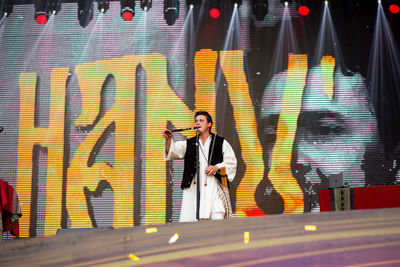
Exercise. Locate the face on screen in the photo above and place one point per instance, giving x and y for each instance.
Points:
(332, 134)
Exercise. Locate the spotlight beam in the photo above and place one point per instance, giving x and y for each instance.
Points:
(146, 4)
(193, 3)
(286, 2)
(103, 5)
(54, 6)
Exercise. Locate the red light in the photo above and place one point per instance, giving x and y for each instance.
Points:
(41, 19)
(394, 9)
(127, 16)
(303, 10)
(214, 13)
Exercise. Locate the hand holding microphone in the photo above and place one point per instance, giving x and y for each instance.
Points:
(184, 129)
(167, 134)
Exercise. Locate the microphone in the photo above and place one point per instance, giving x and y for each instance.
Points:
(183, 129)
(1, 129)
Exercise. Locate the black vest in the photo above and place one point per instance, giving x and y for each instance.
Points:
(191, 159)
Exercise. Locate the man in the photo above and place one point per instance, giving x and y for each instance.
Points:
(211, 205)
(334, 137)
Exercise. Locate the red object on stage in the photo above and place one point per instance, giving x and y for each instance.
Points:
(215, 13)
(376, 197)
(127, 16)
(303, 10)
(10, 209)
(41, 19)
(373, 197)
(394, 9)
(325, 200)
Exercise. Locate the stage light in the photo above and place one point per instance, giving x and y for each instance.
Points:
(171, 11)
(286, 2)
(193, 3)
(146, 4)
(394, 9)
(303, 7)
(103, 5)
(238, 2)
(6, 8)
(85, 12)
(127, 9)
(41, 18)
(54, 7)
(260, 9)
(41, 11)
(44, 8)
(215, 13)
(303, 10)
(215, 10)
(127, 16)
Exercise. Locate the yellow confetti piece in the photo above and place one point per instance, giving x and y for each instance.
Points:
(133, 257)
(173, 238)
(246, 236)
(151, 230)
(310, 227)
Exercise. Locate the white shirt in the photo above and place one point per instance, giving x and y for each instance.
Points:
(210, 202)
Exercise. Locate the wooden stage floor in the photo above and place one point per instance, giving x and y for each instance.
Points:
(347, 238)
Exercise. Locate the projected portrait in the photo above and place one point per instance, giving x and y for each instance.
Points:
(335, 130)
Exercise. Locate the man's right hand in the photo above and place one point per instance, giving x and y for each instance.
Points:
(167, 134)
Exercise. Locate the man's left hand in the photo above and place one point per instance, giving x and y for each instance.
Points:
(211, 170)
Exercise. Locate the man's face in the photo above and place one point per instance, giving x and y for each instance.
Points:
(331, 135)
(202, 124)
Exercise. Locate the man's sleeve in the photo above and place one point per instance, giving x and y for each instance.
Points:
(229, 162)
(177, 150)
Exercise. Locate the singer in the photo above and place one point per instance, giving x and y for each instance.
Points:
(214, 152)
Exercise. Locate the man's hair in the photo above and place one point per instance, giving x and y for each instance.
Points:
(205, 113)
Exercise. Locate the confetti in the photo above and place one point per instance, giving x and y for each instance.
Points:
(151, 230)
(133, 257)
(310, 227)
(173, 238)
(246, 236)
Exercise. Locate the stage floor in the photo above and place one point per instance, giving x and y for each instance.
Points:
(346, 238)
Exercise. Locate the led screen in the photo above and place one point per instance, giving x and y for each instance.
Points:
(83, 109)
